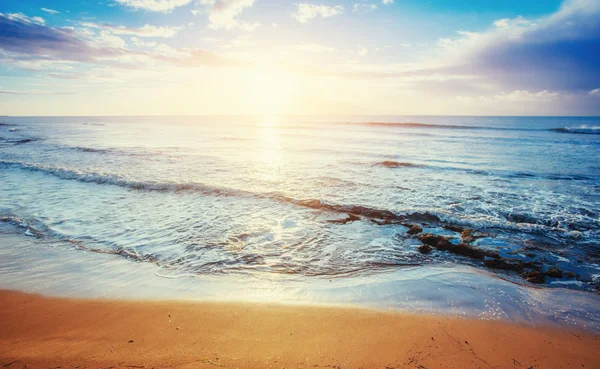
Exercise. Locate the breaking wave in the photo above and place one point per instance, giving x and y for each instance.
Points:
(379, 216)
(585, 130)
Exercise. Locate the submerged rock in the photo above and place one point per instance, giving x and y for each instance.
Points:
(350, 218)
(454, 228)
(503, 264)
(425, 249)
(554, 272)
(414, 229)
(572, 275)
(534, 276)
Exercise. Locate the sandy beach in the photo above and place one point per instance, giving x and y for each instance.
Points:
(41, 332)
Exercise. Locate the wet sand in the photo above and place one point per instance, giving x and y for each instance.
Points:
(40, 332)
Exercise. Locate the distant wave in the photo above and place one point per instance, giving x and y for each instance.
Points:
(18, 141)
(585, 130)
(411, 125)
(90, 149)
(24, 141)
(580, 129)
(395, 164)
(418, 125)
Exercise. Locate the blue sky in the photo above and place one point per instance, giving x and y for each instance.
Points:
(114, 57)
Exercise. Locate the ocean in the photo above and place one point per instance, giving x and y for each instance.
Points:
(308, 208)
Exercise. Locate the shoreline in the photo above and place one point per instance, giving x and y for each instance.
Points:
(58, 270)
(44, 332)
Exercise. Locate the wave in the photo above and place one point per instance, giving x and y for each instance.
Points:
(586, 130)
(411, 125)
(23, 141)
(396, 164)
(115, 180)
(38, 229)
(90, 149)
(378, 216)
(583, 129)
(18, 141)
(418, 125)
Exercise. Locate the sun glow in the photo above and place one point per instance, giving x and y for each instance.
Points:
(272, 92)
(270, 120)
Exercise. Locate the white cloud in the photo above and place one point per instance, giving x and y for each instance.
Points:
(154, 5)
(305, 11)
(51, 11)
(144, 31)
(388, 1)
(139, 43)
(106, 39)
(545, 53)
(362, 51)
(239, 42)
(508, 23)
(359, 7)
(23, 18)
(222, 14)
(595, 92)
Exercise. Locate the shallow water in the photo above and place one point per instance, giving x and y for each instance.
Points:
(238, 197)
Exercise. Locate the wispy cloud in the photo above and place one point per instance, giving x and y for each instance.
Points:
(306, 12)
(23, 18)
(164, 6)
(50, 11)
(362, 7)
(144, 31)
(514, 96)
(313, 48)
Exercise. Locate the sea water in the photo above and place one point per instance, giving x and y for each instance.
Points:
(302, 208)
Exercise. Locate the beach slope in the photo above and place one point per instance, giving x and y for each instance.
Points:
(40, 332)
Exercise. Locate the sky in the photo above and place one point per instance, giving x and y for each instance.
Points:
(436, 57)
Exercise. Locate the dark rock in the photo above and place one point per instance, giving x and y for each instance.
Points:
(444, 244)
(534, 276)
(425, 249)
(466, 235)
(439, 242)
(571, 274)
(554, 272)
(502, 264)
(454, 228)
(414, 229)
